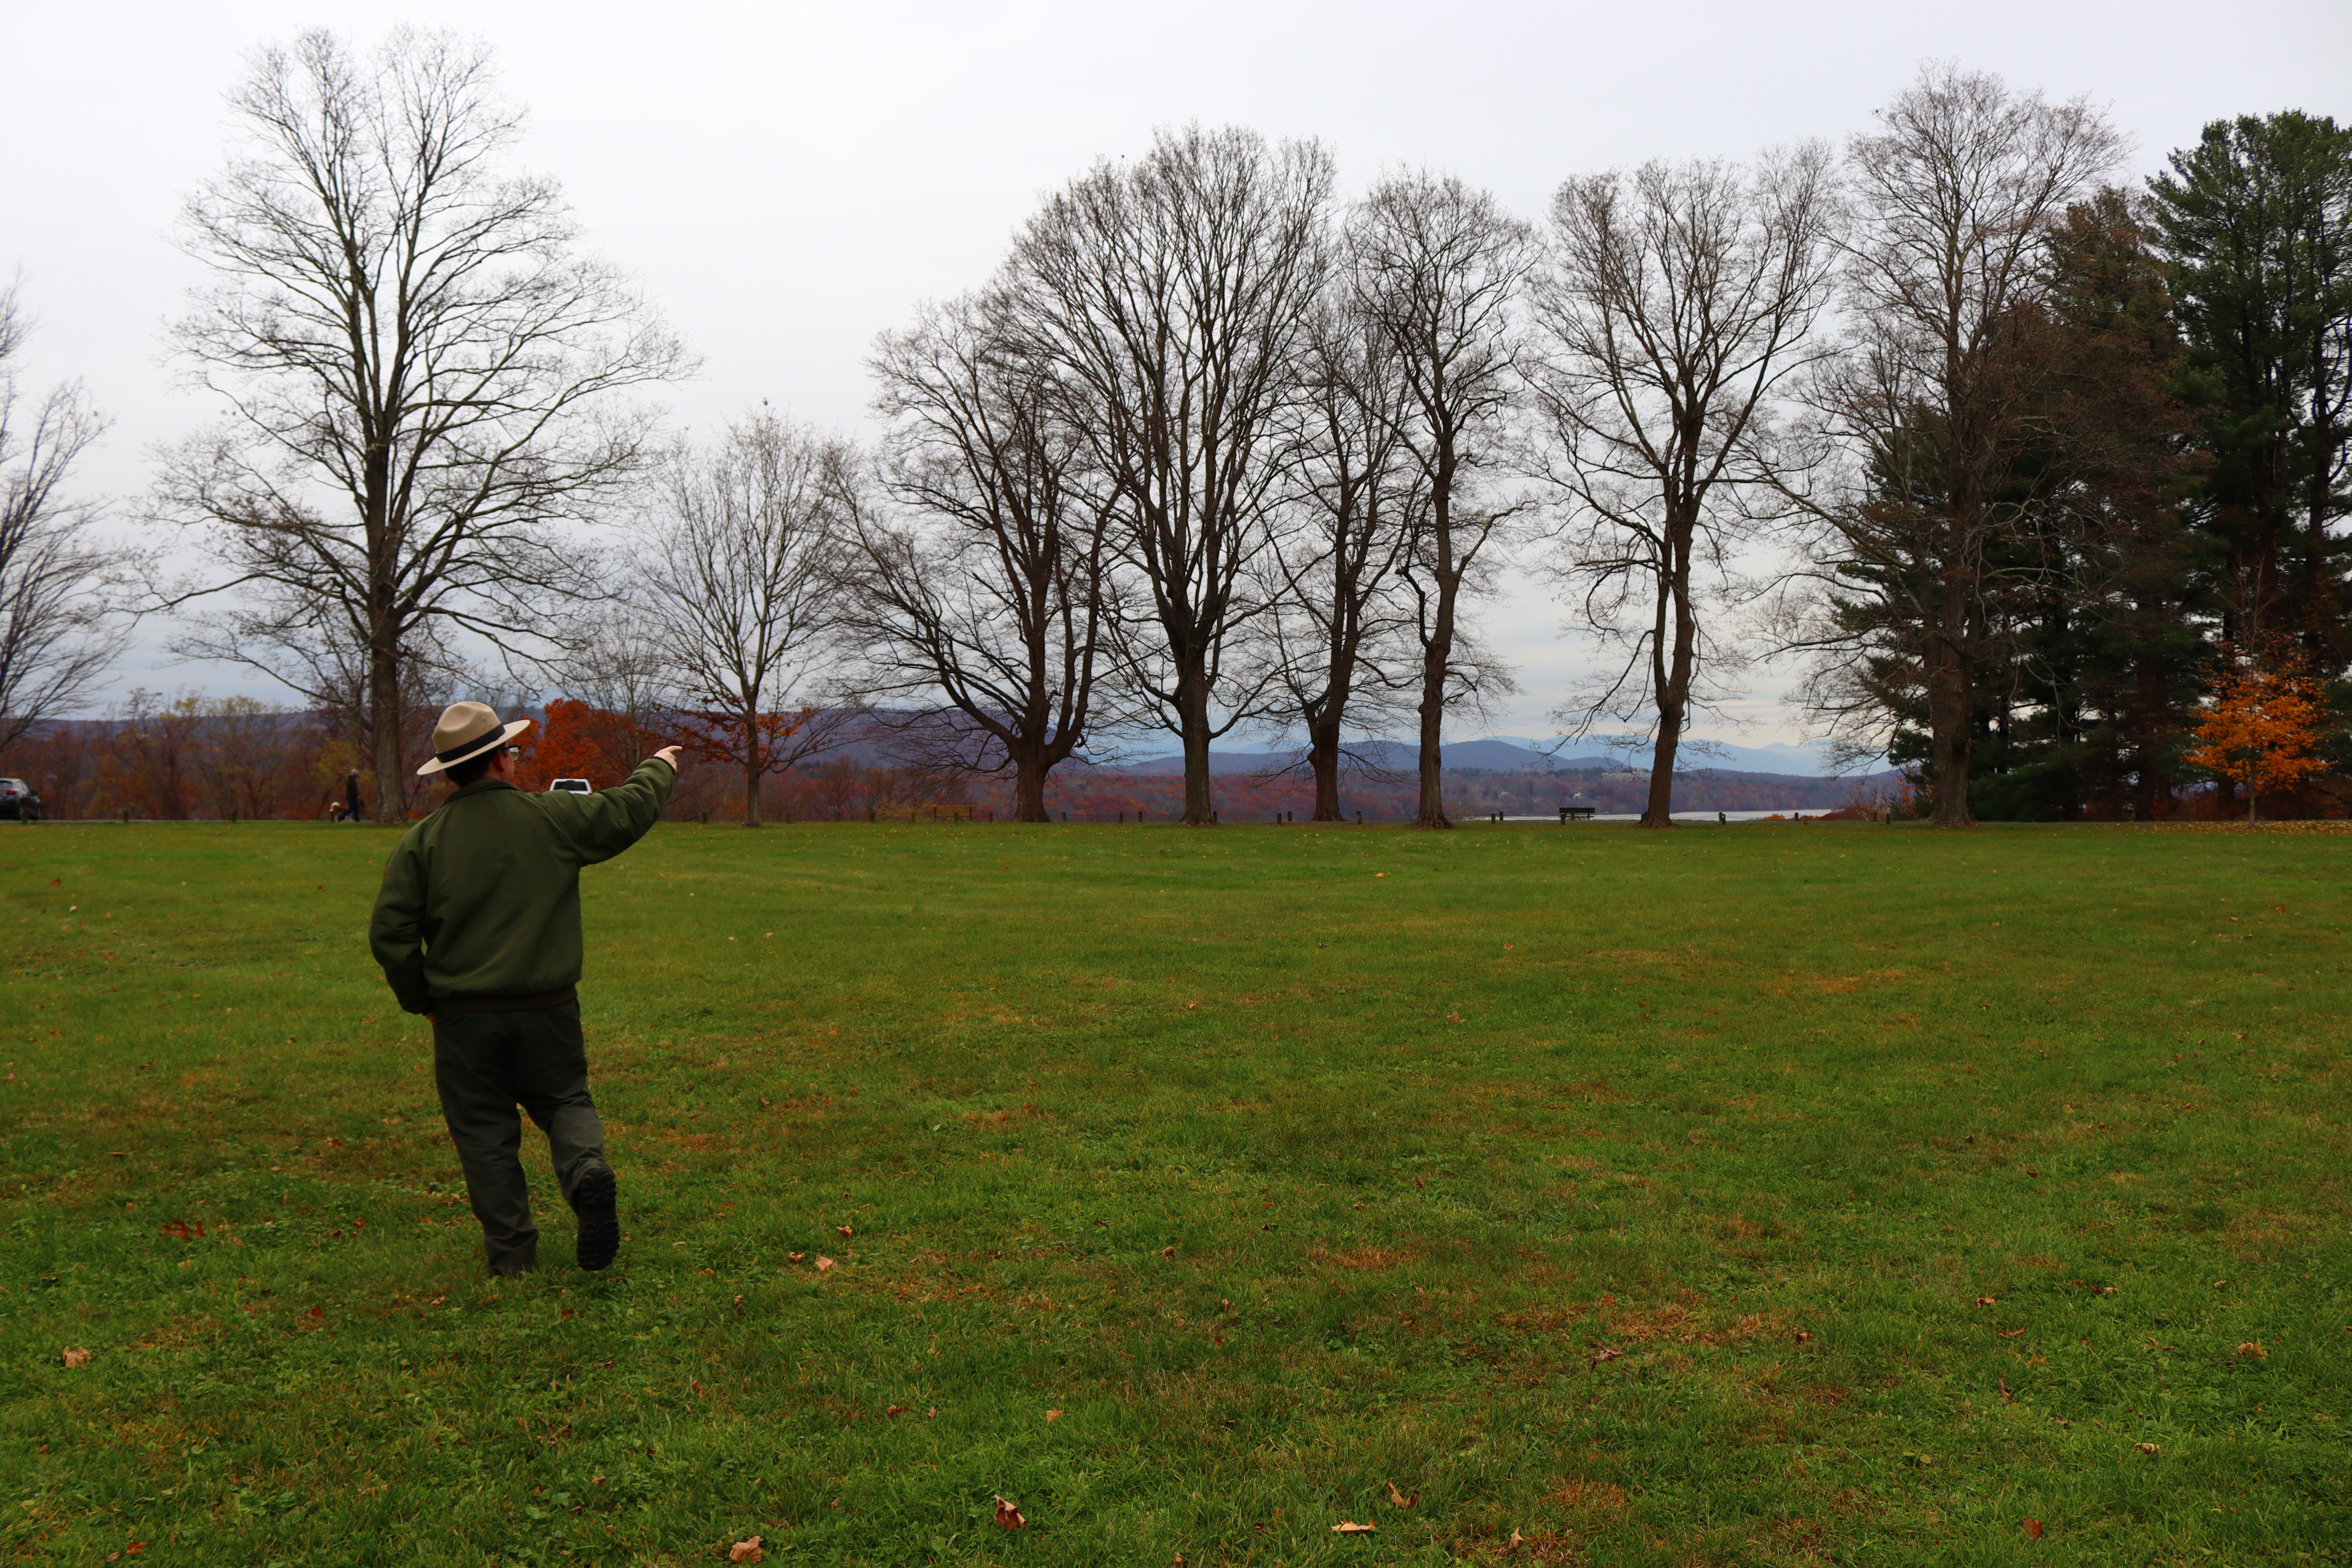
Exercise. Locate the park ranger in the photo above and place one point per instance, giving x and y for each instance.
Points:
(477, 928)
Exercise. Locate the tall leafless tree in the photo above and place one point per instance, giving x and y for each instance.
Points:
(1679, 302)
(744, 580)
(1336, 614)
(1438, 268)
(425, 378)
(60, 625)
(996, 597)
(1955, 195)
(1169, 295)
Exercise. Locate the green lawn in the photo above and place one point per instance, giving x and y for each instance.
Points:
(1748, 1196)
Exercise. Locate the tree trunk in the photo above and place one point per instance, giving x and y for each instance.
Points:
(1323, 755)
(1434, 661)
(1948, 718)
(752, 770)
(1192, 709)
(1673, 692)
(1029, 785)
(383, 722)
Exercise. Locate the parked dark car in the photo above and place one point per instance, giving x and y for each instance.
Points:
(17, 801)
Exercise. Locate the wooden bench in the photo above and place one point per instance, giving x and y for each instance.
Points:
(1568, 814)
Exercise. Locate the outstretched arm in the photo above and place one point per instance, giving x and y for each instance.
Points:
(602, 825)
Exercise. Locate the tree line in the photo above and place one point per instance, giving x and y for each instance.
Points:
(2040, 476)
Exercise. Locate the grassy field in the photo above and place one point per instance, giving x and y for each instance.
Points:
(1739, 1195)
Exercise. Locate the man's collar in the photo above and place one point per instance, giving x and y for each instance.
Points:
(482, 786)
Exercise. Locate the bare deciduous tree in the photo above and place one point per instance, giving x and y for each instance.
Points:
(58, 626)
(744, 581)
(1335, 610)
(1169, 296)
(998, 596)
(1437, 267)
(1955, 194)
(1679, 301)
(425, 377)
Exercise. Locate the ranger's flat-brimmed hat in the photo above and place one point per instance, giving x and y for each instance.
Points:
(467, 729)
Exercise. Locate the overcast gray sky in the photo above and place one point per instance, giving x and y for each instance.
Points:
(788, 179)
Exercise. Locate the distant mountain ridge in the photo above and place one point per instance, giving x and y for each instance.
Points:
(1512, 753)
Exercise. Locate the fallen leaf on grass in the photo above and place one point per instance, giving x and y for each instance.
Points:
(795, 1256)
(1605, 1352)
(1986, 1301)
(843, 1231)
(895, 1410)
(1398, 1498)
(1008, 1514)
(746, 1551)
(1803, 1338)
(2033, 1530)
(75, 1356)
(2150, 1449)
(1167, 1252)
(2253, 1348)
(1052, 1416)
(2006, 1396)
(823, 1264)
(1514, 1544)
(1349, 1526)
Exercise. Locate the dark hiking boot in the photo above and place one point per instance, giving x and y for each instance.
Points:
(592, 1199)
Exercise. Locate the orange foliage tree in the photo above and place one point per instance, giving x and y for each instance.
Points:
(580, 740)
(2259, 728)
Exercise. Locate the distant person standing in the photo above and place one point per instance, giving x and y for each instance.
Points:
(352, 797)
(477, 928)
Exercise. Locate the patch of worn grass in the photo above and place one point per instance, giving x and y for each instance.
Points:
(1753, 1196)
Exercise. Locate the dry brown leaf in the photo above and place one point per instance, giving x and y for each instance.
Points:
(933, 1413)
(2007, 1333)
(2150, 1449)
(843, 1231)
(2006, 1396)
(75, 1356)
(795, 1256)
(2253, 1348)
(1052, 1416)
(1167, 1252)
(1350, 1527)
(1514, 1545)
(1605, 1352)
(895, 1410)
(823, 1264)
(1008, 1514)
(1987, 1301)
(1398, 1498)
(1805, 1337)
(2033, 1530)
(746, 1551)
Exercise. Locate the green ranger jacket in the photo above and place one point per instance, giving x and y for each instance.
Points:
(481, 900)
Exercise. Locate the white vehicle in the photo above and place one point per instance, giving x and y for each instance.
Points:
(571, 786)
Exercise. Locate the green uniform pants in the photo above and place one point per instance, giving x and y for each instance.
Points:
(487, 1063)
